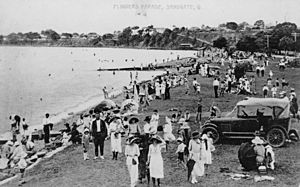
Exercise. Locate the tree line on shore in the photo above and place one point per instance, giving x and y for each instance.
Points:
(231, 36)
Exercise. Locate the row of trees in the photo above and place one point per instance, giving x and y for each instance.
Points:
(278, 38)
(281, 37)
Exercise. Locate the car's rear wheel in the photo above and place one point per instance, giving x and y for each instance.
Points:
(276, 137)
(214, 132)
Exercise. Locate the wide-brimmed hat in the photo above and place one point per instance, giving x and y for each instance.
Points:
(147, 118)
(16, 144)
(113, 118)
(179, 139)
(292, 89)
(204, 136)
(282, 93)
(185, 125)
(132, 140)
(133, 120)
(195, 135)
(181, 121)
(257, 140)
(9, 143)
(86, 130)
(157, 138)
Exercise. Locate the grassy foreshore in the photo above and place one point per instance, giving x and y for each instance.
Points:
(68, 168)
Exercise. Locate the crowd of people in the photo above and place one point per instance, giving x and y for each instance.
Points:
(146, 140)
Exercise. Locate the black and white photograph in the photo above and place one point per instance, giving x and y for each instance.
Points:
(149, 93)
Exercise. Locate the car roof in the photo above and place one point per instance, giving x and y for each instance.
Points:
(251, 101)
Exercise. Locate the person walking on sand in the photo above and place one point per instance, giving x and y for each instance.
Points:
(47, 126)
(105, 92)
(155, 160)
(132, 152)
(99, 133)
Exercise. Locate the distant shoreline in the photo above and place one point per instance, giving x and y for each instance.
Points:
(86, 46)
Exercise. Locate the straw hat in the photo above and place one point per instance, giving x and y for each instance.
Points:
(181, 120)
(257, 140)
(179, 139)
(185, 125)
(157, 138)
(204, 136)
(282, 94)
(195, 135)
(131, 140)
(133, 120)
(113, 118)
(16, 144)
(9, 143)
(86, 130)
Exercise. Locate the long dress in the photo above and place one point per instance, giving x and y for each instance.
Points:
(156, 162)
(195, 148)
(168, 135)
(132, 152)
(115, 137)
(206, 151)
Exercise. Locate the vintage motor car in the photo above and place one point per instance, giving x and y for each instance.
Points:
(269, 116)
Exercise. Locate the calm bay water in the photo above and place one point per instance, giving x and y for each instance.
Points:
(36, 80)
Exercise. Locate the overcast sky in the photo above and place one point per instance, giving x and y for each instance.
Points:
(104, 16)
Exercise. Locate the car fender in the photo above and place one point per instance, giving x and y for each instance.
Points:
(279, 127)
(209, 124)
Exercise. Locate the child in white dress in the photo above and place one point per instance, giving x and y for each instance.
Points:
(86, 143)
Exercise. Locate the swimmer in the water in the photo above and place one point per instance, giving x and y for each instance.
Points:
(49, 74)
(41, 99)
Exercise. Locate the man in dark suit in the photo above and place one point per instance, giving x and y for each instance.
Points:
(99, 133)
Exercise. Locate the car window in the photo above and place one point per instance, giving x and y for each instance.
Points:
(233, 113)
(251, 111)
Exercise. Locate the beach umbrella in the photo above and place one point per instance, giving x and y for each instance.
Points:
(190, 166)
(105, 105)
(130, 106)
(247, 156)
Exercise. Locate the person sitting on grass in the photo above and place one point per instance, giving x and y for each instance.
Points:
(259, 150)
(29, 147)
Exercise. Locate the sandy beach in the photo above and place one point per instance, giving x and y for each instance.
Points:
(68, 168)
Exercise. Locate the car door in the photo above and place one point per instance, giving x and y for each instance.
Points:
(248, 126)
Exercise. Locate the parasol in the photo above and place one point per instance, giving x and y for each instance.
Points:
(247, 156)
(130, 106)
(104, 105)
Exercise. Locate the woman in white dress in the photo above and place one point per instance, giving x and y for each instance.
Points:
(155, 160)
(132, 152)
(168, 135)
(195, 149)
(115, 129)
(157, 89)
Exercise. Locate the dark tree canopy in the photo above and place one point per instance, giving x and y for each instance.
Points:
(231, 25)
(221, 42)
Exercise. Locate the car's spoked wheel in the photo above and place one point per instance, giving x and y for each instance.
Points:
(276, 137)
(214, 133)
